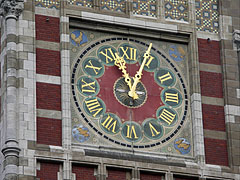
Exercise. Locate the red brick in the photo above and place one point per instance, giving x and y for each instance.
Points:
(116, 174)
(49, 131)
(150, 176)
(216, 151)
(48, 62)
(213, 117)
(209, 52)
(85, 172)
(47, 30)
(48, 170)
(211, 84)
(48, 96)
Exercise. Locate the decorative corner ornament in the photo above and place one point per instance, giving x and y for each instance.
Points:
(11, 7)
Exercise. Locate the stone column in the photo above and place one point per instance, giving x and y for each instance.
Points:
(10, 10)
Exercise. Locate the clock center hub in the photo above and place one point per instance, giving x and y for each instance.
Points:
(121, 92)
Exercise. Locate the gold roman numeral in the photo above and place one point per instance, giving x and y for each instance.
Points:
(131, 131)
(153, 130)
(94, 106)
(149, 61)
(110, 123)
(167, 116)
(107, 56)
(95, 68)
(165, 77)
(171, 97)
(133, 53)
(88, 87)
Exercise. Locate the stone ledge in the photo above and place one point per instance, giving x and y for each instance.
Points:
(215, 134)
(212, 101)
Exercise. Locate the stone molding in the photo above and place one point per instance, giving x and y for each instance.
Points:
(11, 8)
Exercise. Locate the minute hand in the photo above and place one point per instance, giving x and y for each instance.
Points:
(138, 75)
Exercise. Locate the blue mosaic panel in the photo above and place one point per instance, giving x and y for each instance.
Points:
(176, 9)
(145, 7)
(51, 4)
(207, 15)
(114, 5)
(84, 3)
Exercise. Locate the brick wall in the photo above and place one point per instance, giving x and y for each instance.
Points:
(47, 28)
(48, 96)
(49, 131)
(209, 52)
(211, 84)
(48, 170)
(116, 174)
(85, 172)
(48, 62)
(150, 176)
(216, 151)
(213, 115)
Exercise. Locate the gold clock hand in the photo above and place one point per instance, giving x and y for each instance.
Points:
(121, 64)
(138, 75)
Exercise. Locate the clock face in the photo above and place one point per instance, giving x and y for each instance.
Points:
(100, 93)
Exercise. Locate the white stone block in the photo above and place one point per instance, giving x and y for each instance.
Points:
(11, 46)
(28, 32)
(11, 72)
(23, 143)
(31, 56)
(28, 83)
(23, 23)
(31, 25)
(48, 79)
(20, 47)
(64, 38)
(29, 171)
(28, 65)
(64, 19)
(23, 108)
(29, 134)
(195, 97)
(22, 73)
(30, 74)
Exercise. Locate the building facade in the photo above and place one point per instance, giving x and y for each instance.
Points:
(120, 89)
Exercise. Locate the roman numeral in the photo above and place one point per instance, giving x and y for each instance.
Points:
(171, 97)
(95, 68)
(165, 77)
(94, 106)
(109, 123)
(167, 116)
(149, 61)
(131, 131)
(106, 54)
(88, 87)
(153, 130)
(133, 53)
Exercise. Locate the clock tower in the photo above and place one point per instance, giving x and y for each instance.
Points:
(120, 90)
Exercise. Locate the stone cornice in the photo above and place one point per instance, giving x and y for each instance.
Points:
(11, 7)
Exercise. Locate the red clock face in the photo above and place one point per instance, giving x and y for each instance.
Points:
(139, 103)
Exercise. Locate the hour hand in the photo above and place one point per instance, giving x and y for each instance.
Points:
(121, 64)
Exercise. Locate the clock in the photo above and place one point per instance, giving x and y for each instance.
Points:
(128, 92)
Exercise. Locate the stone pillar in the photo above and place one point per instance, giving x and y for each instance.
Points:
(10, 10)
